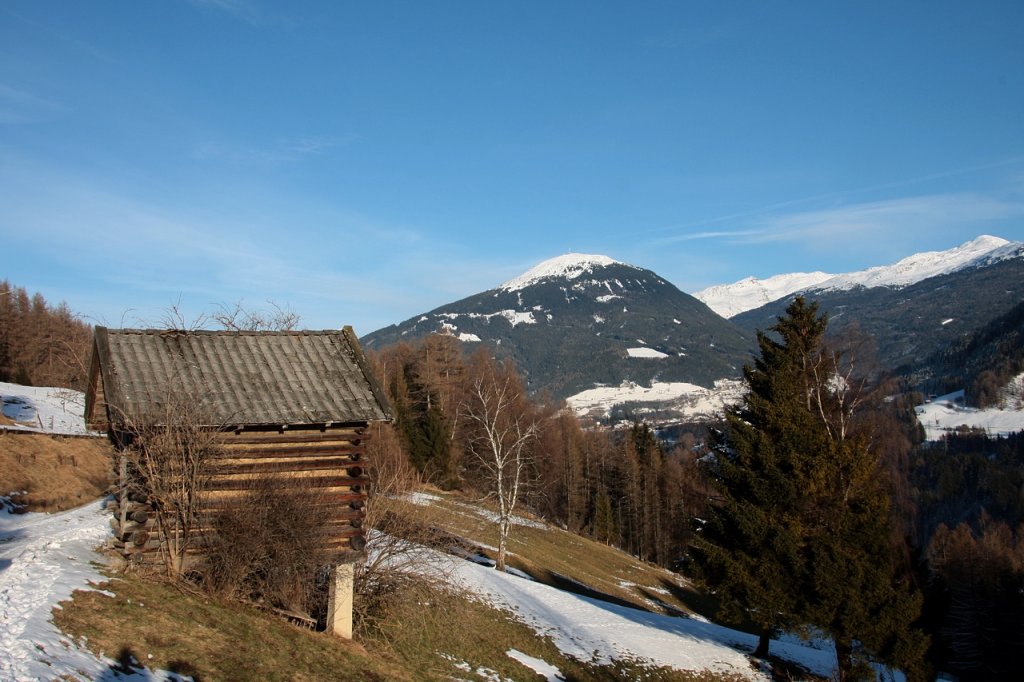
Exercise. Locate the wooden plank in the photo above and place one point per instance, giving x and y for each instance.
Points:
(302, 451)
(327, 496)
(293, 436)
(245, 483)
(338, 464)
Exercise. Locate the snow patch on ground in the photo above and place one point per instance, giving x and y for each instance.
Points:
(47, 410)
(515, 317)
(537, 665)
(590, 629)
(422, 499)
(493, 517)
(645, 352)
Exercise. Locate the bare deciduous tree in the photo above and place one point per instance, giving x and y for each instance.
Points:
(169, 458)
(502, 432)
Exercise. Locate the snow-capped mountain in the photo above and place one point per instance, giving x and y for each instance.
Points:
(578, 321)
(918, 310)
(569, 267)
(729, 300)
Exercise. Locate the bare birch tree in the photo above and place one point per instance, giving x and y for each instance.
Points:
(502, 433)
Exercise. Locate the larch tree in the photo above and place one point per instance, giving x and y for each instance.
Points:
(801, 532)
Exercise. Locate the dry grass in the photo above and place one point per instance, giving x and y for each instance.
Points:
(57, 473)
(568, 561)
(164, 627)
(434, 635)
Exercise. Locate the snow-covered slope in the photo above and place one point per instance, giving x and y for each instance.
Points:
(676, 401)
(43, 559)
(590, 629)
(920, 266)
(48, 410)
(732, 299)
(568, 266)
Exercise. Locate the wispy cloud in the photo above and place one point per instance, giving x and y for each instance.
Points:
(282, 150)
(884, 219)
(866, 226)
(761, 214)
(18, 106)
(719, 234)
(134, 253)
(248, 11)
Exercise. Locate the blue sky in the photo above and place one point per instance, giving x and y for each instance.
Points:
(364, 162)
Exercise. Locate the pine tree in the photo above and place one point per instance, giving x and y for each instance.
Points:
(800, 535)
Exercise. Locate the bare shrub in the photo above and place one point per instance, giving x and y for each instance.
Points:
(399, 561)
(239, 318)
(270, 546)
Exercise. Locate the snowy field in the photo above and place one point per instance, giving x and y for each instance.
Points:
(688, 400)
(945, 413)
(50, 410)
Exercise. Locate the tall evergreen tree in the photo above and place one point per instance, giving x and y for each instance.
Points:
(800, 534)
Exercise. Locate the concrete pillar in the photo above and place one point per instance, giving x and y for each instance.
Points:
(339, 605)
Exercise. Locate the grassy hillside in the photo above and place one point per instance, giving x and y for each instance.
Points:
(53, 472)
(429, 632)
(563, 559)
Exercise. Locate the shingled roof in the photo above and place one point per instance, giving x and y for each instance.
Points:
(240, 378)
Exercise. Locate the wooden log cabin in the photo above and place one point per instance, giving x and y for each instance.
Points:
(295, 408)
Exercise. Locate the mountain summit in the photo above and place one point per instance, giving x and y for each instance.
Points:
(570, 266)
(577, 321)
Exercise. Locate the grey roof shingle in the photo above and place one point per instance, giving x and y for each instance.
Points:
(239, 378)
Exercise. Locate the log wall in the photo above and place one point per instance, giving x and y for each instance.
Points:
(326, 463)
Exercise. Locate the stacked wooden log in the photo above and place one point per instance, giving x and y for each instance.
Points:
(326, 463)
(135, 529)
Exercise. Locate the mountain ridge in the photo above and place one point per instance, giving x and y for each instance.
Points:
(730, 300)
